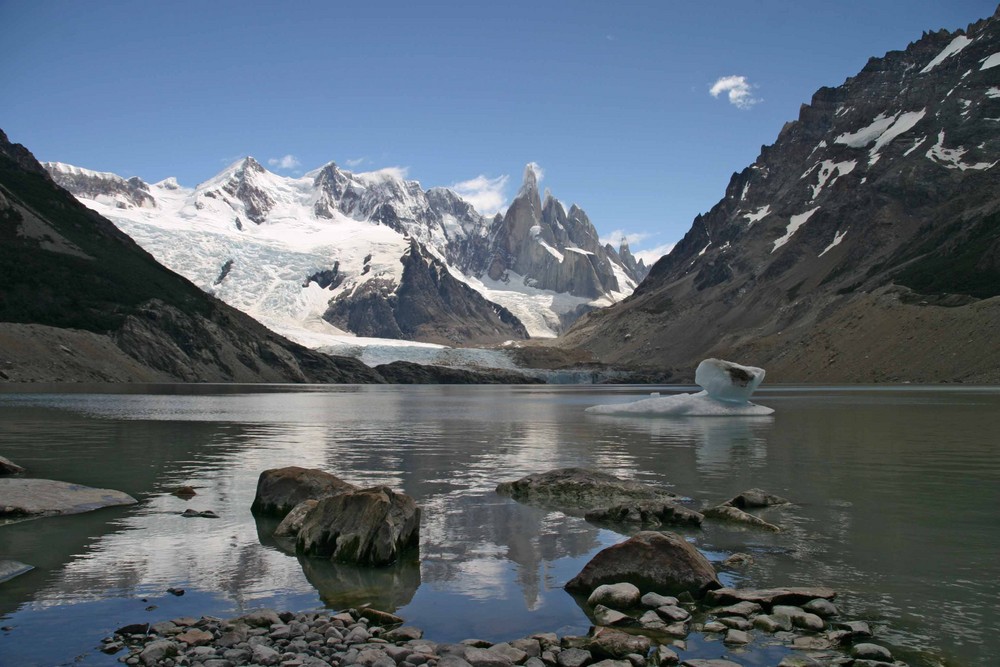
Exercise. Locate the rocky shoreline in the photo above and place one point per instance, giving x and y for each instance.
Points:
(651, 630)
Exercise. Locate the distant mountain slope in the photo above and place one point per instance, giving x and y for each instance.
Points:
(65, 271)
(337, 247)
(863, 245)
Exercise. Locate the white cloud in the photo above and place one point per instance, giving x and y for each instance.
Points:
(356, 162)
(287, 162)
(652, 254)
(738, 89)
(484, 193)
(615, 237)
(539, 172)
(387, 173)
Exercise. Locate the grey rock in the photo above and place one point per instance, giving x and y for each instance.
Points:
(292, 523)
(654, 600)
(738, 559)
(811, 643)
(515, 655)
(483, 657)
(610, 617)
(857, 629)
(652, 621)
(745, 609)
(370, 527)
(279, 490)
(611, 643)
(608, 662)
(616, 596)
(373, 657)
(735, 622)
(673, 613)
(800, 661)
(156, 651)
(574, 657)
(736, 515)
(821, 607)
(736, 637)
(718, 662)
(263, 618)
(653, 561)
(714, 626)
(773, 623)
(534, 662)
(664, 656)
(31, 497)
(531, 646)
(447, 661)
(404, 633)
(868, 651)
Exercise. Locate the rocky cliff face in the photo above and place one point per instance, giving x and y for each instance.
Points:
(550, 248)
(64, 270)
(883, 197)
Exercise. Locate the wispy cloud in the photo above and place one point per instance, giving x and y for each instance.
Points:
(286, 162)
(389, 173)
(485, 194)
(650, 256)
(356, 162)
(616, 236)
(737, 89)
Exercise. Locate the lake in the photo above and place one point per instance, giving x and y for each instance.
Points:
(896, 493)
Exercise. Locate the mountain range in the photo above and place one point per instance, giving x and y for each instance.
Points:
(862, 246)
(369, 254)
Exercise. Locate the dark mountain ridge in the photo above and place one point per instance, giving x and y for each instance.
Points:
(863, 245)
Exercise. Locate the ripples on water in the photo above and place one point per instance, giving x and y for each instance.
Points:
(896, 491)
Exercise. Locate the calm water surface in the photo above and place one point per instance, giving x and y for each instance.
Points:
(896, 491)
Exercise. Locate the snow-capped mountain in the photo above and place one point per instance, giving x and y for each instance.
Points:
(370, 254)
(864, 244)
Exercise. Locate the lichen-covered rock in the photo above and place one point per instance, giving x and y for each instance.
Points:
(653, 561)
(369, 527)
(279, 490)
(579, 488)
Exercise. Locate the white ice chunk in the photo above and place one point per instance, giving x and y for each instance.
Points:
(728, 381)
(727, 387)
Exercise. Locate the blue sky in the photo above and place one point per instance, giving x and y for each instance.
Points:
(612, 99)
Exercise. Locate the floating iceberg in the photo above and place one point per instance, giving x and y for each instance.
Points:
(727, 386)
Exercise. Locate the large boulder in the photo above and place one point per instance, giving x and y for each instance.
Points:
(34, 497)
(653, 561)
(279, 490)
(12, 568)
(579, 488)
(369, 526)
(728, 381)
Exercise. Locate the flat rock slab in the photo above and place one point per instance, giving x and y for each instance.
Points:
(768, 597)
(11, 568)
(35, 497)
(8, 467)
(579, 488)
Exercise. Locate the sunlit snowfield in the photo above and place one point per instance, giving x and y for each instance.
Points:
(896, 492)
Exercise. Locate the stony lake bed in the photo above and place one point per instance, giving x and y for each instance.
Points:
(892, 491)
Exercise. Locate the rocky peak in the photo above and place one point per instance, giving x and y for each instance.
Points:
(245, 186)
(130, 193)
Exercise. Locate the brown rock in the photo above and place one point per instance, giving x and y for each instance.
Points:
(292, 523)
(279, 490)
(768, 597)
(8, 467)
(653, 561)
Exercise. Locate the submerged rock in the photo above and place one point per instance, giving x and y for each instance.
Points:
(42, 497)
(8, 467)
(369, 527)
(768, 597)
(653, 561)
(734, 515)
(756, 498)
(580, 488)
(648, 513)
(12, 568)
(279, 490)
